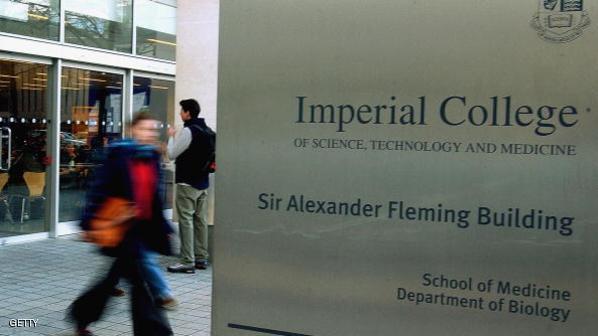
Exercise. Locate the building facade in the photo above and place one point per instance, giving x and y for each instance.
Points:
(72, 74)
(197, 63)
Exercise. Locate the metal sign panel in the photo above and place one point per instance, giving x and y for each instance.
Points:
(406, 168)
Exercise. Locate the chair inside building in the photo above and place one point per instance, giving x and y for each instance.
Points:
(35, 183)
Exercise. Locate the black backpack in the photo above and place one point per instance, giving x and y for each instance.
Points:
(207, 161)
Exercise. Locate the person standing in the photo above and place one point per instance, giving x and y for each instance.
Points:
(131, 171)
(193, 150)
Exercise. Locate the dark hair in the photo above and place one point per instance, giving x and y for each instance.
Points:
(141, 116)
(191, 106)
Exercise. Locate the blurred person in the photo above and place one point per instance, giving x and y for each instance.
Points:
(69, 173)
(34, 157)
(191, 149)
(131, 171)
(157, 284)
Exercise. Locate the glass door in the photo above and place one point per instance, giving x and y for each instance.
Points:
(156, 96)
(91, 117)
(24, 161)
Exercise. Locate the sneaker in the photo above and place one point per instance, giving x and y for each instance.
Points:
(181, 268)
(202, 264)
(168, 303)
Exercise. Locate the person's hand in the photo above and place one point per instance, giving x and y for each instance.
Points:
(171, 131)
(163, 148)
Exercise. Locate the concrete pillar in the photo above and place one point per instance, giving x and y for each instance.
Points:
(197, 61)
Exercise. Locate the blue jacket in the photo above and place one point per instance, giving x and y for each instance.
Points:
(113, 179)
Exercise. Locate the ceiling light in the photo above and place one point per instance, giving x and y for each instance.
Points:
(34, 85)
(39, 17)
(161, 42)
(9, 76)
(159, 87)
(93, 79)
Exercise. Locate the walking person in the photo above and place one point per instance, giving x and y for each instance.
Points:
(131, 171)
(193, 151)
(156, 283)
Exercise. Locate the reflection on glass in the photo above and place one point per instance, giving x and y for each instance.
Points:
(91, 117)
(156, 29)
(37, 18)
(157, 97)
(24, 106)
(105, 24)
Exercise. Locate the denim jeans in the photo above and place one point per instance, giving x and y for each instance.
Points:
(153, 275)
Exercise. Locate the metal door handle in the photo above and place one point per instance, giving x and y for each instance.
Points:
(5, 134)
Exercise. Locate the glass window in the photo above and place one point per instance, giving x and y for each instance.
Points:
(157, 97)
(156, 29)
(24, 107)
(105, 24)
(91, 117)
(37, 18)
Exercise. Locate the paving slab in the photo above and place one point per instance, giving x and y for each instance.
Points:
(38, 281)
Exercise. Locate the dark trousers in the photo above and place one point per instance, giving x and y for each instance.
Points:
(148, 320)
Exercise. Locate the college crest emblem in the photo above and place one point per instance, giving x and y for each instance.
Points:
(560, 20)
